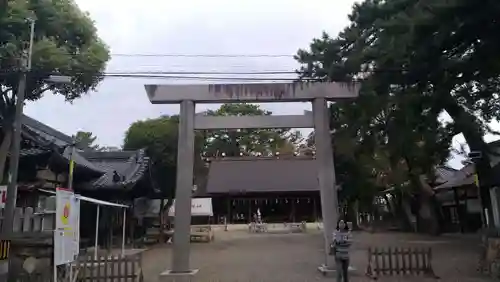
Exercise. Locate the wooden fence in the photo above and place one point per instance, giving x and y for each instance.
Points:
(400, 261)
(109, 269)
(90, 269)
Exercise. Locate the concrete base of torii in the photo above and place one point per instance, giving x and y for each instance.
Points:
(169, 276)
(329, 272)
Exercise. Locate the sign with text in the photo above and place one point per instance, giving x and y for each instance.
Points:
(66, 235)
(199, 207)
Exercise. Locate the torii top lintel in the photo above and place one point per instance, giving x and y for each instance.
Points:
(250, 92)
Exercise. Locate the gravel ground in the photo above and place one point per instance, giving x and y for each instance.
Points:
(239, 256)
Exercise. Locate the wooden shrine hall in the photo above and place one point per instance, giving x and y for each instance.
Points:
(284, 189)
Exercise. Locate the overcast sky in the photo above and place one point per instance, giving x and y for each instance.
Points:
(186, 27)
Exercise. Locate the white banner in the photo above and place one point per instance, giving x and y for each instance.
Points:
(67, 233)
(199, 207)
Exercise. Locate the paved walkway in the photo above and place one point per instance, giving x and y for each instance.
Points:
(240, 256)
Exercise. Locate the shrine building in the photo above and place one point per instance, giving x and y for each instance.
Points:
(284, 189)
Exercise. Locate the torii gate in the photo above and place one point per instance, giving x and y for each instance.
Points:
(188, 95)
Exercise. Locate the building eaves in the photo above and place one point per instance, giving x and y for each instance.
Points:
(47, 132)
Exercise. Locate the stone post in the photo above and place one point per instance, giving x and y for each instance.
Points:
(326, 177)
(181, 270)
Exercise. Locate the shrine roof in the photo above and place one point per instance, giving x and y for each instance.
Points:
(130, 167)
(45, 139)
(54, 136)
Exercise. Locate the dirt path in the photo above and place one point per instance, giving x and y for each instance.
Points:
(240, 256)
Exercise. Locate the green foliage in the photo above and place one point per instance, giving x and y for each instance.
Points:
(159, 137)
(65, 42)
(84, 139)
(248, 141)
(415, 60)
(403, 52)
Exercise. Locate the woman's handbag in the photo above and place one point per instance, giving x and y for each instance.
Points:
(333, 249)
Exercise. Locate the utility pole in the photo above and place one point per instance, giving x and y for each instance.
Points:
(71, 166)
(10, 204)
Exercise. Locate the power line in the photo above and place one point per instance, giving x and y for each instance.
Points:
(146, 72)
(206, 78)
(187, 77)
(215, 65)
(205, 55)
(212, 75)
(203, 72)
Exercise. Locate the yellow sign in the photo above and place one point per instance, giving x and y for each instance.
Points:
(476, 179)
(4, 249)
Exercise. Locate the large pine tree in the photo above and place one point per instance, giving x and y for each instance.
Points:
(416, 60)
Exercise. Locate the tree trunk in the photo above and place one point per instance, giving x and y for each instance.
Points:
(468, 125)
(403, 214)
(428, 220)
(432, 205)
(4, 150)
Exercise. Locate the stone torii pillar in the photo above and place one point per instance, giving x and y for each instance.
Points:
(184, 185)
(188, 95)
(326, 177)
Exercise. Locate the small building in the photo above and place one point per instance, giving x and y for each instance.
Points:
(114, 176)
(457, 193)
(44, 162)
(283, 189)
(105, 175)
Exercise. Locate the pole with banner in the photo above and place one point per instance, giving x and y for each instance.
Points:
(71, 167)
(67, 232)
(67, 228)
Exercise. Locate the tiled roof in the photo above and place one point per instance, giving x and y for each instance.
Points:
(48, 139)
(54, 136)
(32, 152)
(80, 160)
(262, 175)
(130, 167)
(462, 177)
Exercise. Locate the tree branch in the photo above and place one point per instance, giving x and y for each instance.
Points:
(40, 91)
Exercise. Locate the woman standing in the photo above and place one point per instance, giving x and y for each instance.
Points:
(342, 240)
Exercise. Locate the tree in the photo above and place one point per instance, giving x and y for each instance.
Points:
(248, 141)
(159, 137)
(84, 140)
(383, 137)
(418, 59)
(65, 43)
